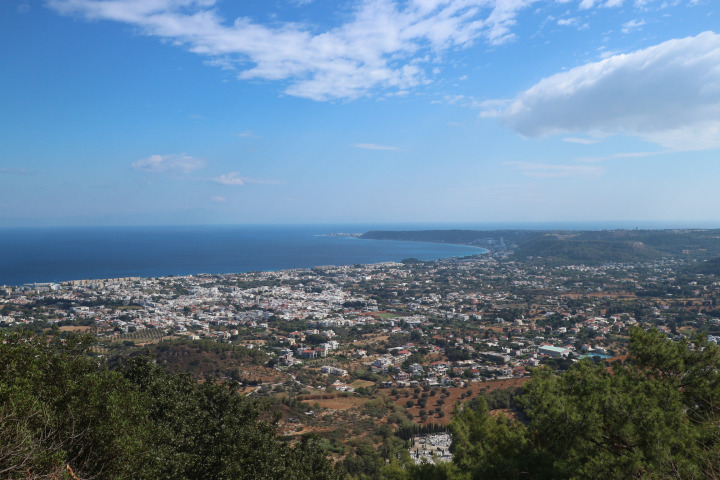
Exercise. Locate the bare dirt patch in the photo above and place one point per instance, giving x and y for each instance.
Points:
(340, 403)
(74, 328)
(362, 383)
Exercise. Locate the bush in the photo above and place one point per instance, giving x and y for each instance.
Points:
(60, 407)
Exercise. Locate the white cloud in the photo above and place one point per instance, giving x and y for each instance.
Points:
(583, 141)
(572, 22)
(587, 4)
(374, 146)
(219, 199)
(181, 163)
(603, 53)
(567, 22)
(385, 45)
(628, 27)
(620, 155)
(668, 94)
(542, 170)
(234, 178)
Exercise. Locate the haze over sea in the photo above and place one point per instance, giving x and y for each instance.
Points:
(55, 254)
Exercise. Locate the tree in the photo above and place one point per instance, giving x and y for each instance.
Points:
(485, 446)
(656, 416)
(60, 407)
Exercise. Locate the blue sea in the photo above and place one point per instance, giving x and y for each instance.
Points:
(55, 254)
(30, 255)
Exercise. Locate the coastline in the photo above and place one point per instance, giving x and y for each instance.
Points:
(54, 256)
(47, 286)
(485, 250)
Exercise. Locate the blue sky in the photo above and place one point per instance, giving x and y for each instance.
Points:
(314, 111)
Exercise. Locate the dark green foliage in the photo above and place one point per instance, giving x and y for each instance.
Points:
(656, 417)
(365, 462)
(498, 399)
(485, 446)
(202, 358)
(578, 249)
(411, 261)
(60, 407)
(588, 247)
(448, 236)
(457, 354)
(709, 267)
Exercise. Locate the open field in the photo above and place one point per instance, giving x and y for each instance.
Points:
(453, 396)
(340, 403)
(386, 315)
(75, 328)
(362, 383)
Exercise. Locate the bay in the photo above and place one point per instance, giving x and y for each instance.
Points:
(58, 254)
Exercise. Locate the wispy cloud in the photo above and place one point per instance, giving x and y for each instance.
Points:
(583, 141)
(391, 45)
(234, 178)
(572, 22)
(176, 163)
(620, 155)
(667, 94)
(385, 44)
(587, 4)
(543, 170)
(628, 27)
(219, 199)
(374, 146)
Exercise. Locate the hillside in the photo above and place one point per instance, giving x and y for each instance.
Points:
(460, 237)
(569, 247)
(63, 411)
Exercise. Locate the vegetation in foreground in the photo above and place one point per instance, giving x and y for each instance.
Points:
(655, 416)
(62, 410)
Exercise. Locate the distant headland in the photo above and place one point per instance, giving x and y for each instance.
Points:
(574, 246)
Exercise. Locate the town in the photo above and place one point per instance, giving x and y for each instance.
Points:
(380, 354)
